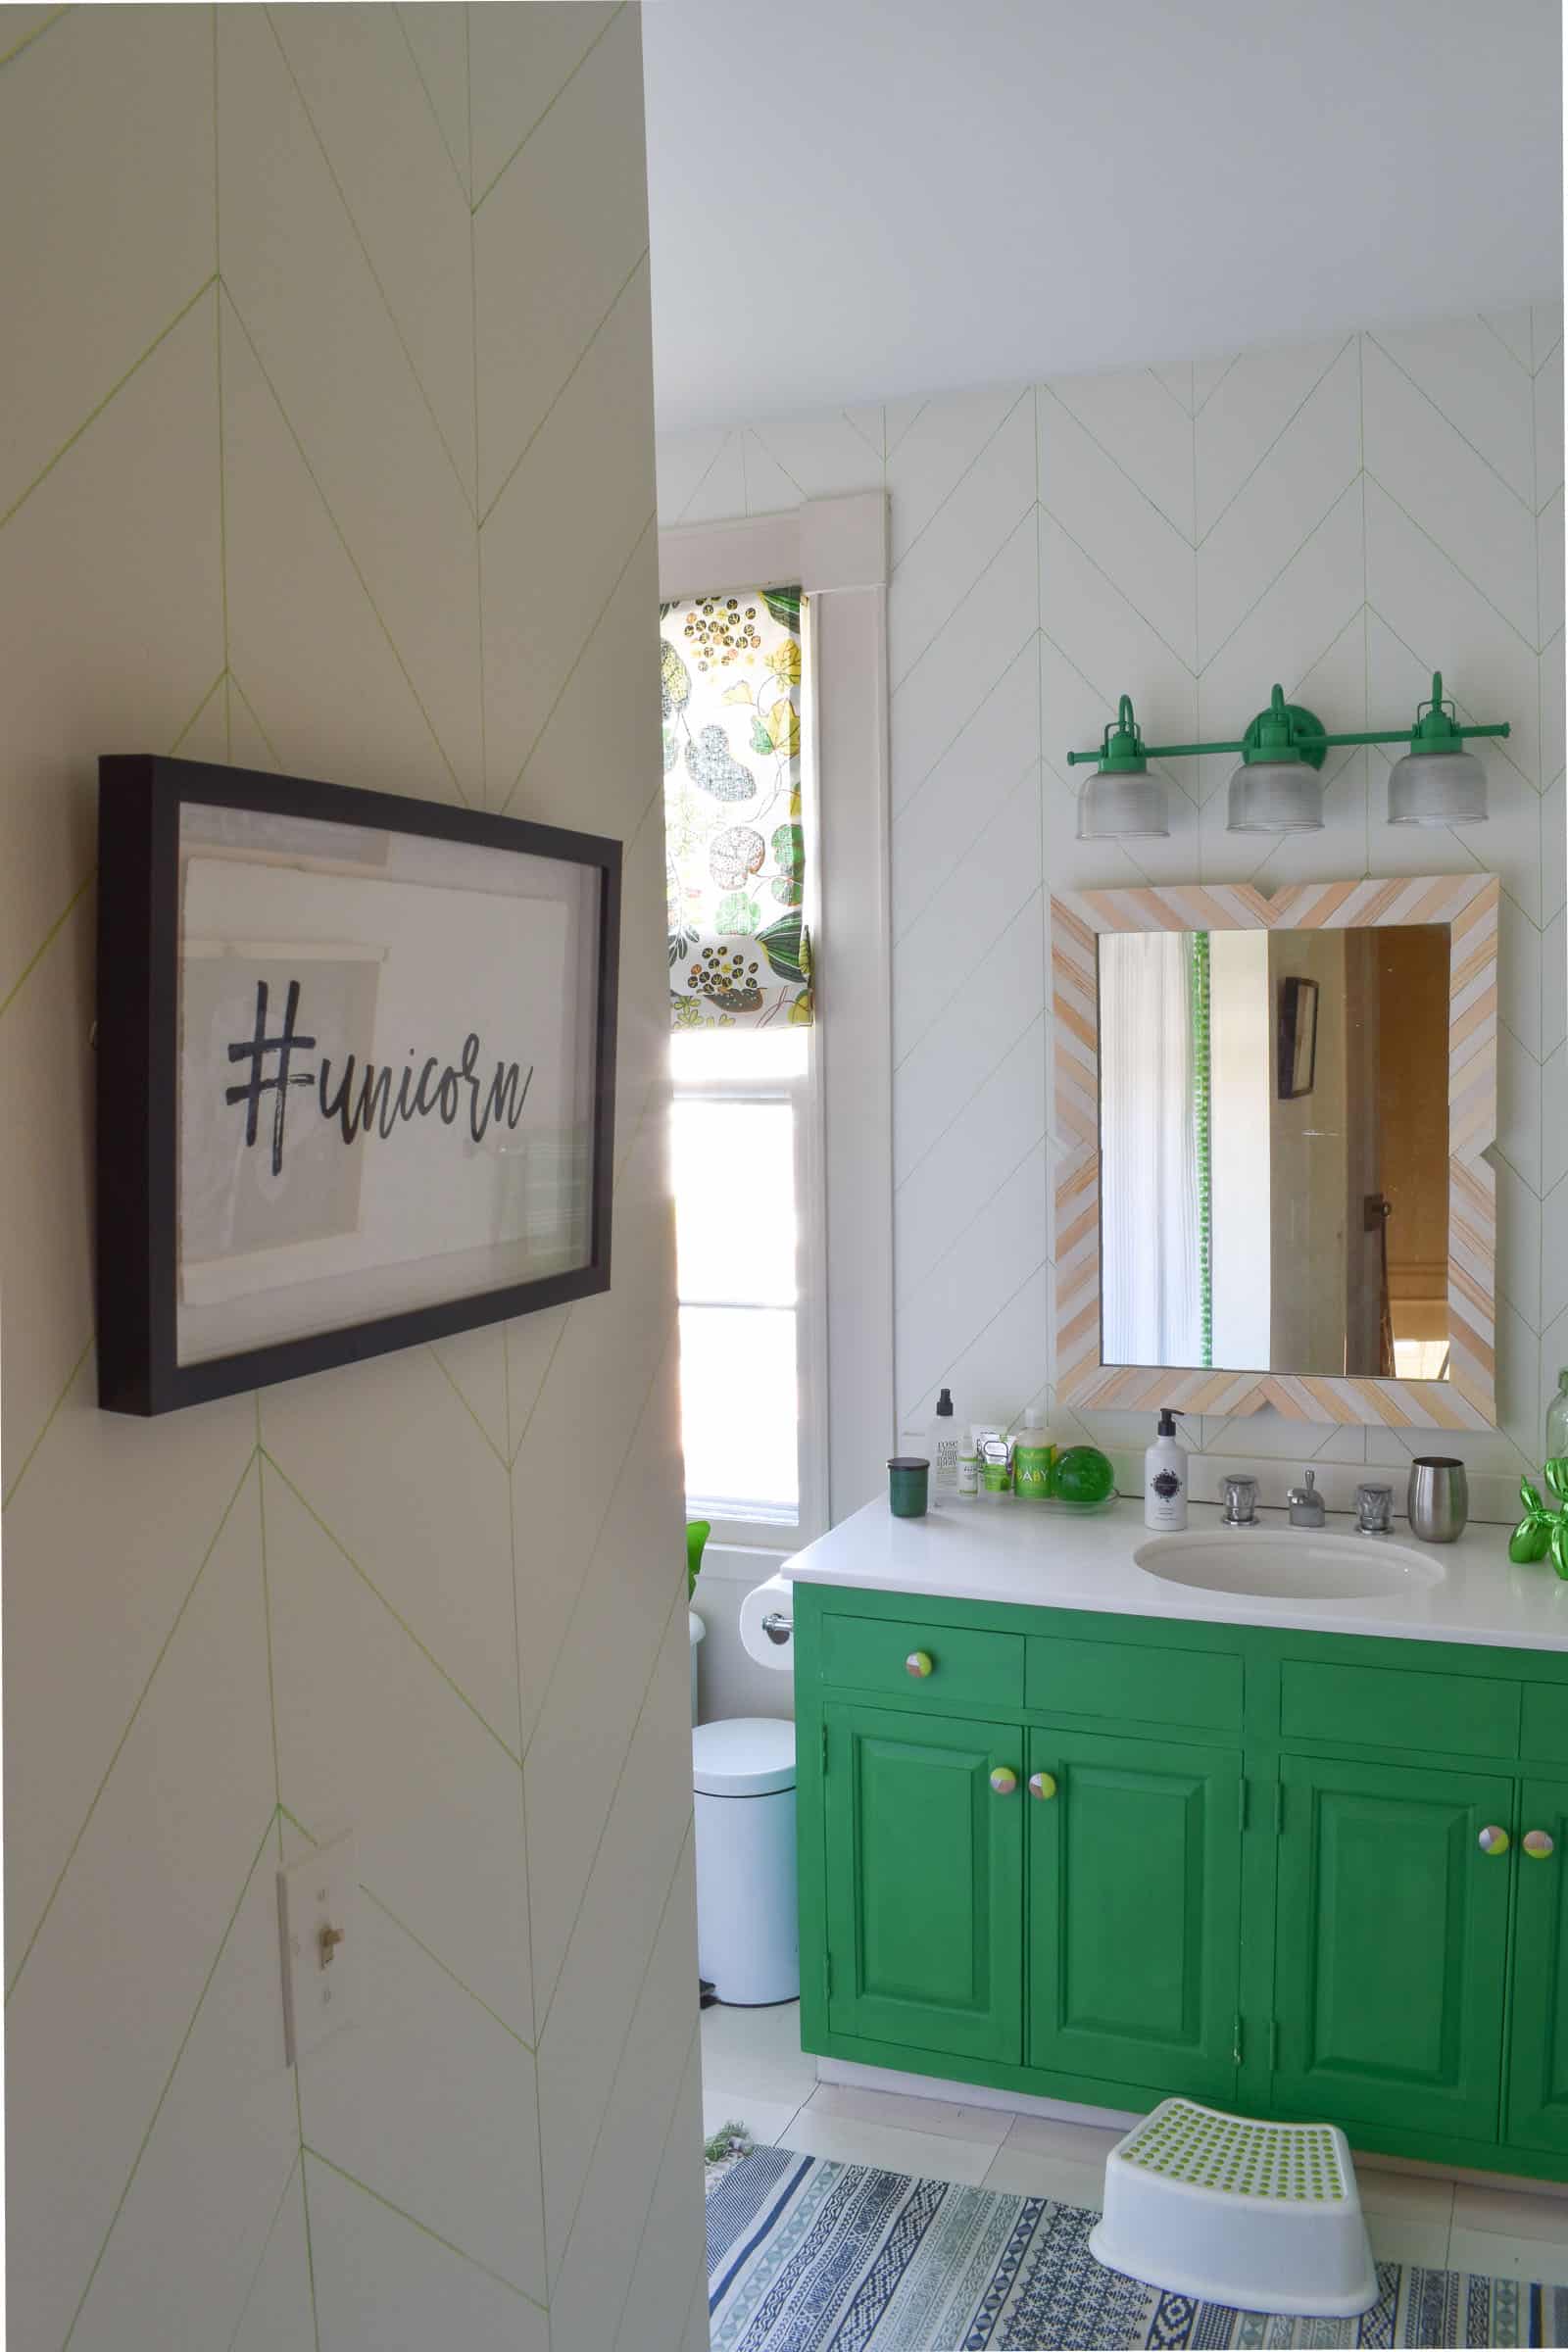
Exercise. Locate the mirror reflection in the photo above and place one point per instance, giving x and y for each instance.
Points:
(1274, 1151)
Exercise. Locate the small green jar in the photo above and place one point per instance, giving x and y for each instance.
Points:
(908, 1474)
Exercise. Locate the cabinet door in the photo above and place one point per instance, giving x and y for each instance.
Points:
(1538, 2091)
(1134, 1910)
(924, 1882)
(1393, 1930)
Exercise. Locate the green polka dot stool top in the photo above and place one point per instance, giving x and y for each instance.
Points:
(1265, 2217)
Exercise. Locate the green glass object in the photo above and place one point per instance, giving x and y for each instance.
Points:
(1531, 1540)
(908, 1474)
(1083, 1475)
(1557, 1419)
(697, 1532)
(1544, 1530)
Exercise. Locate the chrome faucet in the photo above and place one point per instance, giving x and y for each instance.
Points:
(1305, 1503)
(1241, 1502)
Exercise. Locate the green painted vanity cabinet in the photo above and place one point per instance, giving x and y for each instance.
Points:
(1393, 1941)
(1538, 2088)
(1134, 1910)
(1107, 1858)
(924, 1883)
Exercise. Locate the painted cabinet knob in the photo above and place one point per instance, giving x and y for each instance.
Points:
(1493, 1841)
(1538, 1844)
(1041, 1784)
(1003, 1780)
(920, 1664)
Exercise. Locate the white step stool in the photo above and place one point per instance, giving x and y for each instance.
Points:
(1266, 2217)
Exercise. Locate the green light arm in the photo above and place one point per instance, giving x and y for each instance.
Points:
(1284, 724)
(1194, 750)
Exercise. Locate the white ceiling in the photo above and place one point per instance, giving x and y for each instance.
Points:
(853, 200)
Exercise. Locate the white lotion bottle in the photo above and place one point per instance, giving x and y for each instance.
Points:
(1166, 1478)
(943, 1448)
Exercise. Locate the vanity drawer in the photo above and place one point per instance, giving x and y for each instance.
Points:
(1458, 1714)
(968, 1669)
(1546, 1725)
(1200, 1687)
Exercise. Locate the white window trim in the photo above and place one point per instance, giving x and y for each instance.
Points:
(837, 550)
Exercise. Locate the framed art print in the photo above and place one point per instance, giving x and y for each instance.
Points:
(354, 1074)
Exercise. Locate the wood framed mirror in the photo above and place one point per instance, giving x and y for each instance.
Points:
(1271, 1116)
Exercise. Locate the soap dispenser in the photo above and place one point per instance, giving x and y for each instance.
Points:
(1166, 1478)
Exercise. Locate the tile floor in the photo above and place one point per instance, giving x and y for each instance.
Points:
(754, 2073)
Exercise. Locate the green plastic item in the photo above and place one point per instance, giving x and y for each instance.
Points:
(1033, 1464)
(697, 1532)
(1083, 1475)
(1544, 1530)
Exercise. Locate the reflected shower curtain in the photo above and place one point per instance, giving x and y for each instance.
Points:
(1151, 1271)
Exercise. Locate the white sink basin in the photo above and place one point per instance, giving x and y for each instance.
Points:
(1289, 1564)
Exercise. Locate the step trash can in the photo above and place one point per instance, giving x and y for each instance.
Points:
(748, 1934)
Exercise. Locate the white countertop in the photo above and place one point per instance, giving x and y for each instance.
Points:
(1038, 1556)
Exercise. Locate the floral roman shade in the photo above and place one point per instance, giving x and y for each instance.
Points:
(735, 849)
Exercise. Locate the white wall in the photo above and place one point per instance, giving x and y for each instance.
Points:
(1344, 516)
(327, 446)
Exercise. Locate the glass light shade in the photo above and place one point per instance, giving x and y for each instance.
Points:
(1115, 807)
(1275, 796)
(1438, 788)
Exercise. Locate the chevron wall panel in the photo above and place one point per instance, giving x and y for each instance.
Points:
(327, 446)
(1342, 514)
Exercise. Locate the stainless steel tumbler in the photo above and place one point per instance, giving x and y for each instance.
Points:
(1439, 1499)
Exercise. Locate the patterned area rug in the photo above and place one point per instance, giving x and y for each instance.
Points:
(809, 2256)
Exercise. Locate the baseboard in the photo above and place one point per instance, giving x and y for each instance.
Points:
(970, 2094)
(851, 2072)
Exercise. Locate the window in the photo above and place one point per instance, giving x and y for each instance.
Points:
(746, 1128)
(747, 1246)
(838, 1084)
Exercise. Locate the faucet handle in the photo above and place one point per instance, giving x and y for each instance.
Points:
(1374, 1509)
(1241, 1501)
(1304, 1504)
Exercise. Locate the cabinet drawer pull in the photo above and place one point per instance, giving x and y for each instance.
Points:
(1041, 1784)
(920, 1664)
(1494, 1841)
(1003, 1780)
(1538, 1844)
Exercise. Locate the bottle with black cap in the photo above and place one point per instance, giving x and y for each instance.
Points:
(1166, 1478)
(943, 1448)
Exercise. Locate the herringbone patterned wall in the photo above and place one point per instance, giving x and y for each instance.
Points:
(327, 446)
(1344, 516)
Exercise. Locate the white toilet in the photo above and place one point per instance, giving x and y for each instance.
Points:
(747, 1936)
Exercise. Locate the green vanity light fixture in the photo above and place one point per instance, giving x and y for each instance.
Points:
(1121, 799)
(1276, 788)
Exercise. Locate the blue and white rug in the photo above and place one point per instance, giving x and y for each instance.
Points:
(809, 2256)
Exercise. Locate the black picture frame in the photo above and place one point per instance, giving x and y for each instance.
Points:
(140, 799)
(1295, 1054)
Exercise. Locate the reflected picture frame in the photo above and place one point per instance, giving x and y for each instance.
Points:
(1468, 905)
(1295, 1071)
(527, 921)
